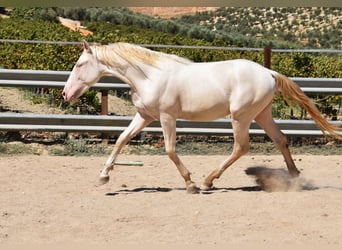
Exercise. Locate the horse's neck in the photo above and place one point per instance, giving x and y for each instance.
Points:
(137, 76)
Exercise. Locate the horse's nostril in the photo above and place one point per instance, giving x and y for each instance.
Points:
(64, 95)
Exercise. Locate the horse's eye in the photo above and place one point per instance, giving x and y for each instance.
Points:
(80, 64)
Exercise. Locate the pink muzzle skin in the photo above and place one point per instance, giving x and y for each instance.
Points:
(67, 95)
(71, 94)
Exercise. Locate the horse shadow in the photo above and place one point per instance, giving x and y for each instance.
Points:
(141, 190)
(166, 190)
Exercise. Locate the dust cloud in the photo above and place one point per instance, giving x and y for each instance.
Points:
(278, 180)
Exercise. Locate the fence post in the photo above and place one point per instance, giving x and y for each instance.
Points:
(104, 102)
(267, 57)
(104, 111)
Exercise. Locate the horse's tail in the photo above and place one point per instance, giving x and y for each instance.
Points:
(291, 91)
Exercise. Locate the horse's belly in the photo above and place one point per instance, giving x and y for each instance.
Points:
(204, 116)
(205, 113)
(204, 102)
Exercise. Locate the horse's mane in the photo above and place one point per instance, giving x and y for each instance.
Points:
(133, 54)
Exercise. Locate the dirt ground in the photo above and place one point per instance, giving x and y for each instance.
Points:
(50, 199)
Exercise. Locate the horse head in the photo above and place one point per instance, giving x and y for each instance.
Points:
(86, 72)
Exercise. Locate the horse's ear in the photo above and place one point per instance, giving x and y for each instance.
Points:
(86, 46)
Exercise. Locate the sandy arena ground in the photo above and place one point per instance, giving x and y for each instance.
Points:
(47, 199)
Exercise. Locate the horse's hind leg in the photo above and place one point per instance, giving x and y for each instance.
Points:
(136, 125)
(168, 124)
(266, 122)
(241, 147)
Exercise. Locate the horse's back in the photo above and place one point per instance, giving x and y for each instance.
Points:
(231, 77)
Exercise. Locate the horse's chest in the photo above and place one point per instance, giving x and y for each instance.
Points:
(145, 105)
(137, 101)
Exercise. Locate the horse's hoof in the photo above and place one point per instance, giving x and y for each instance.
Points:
(192, 189)
(294, 173)
(205, 187)
(103, 179)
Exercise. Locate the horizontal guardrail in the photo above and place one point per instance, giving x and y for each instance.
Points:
(57, 79)
(18, 78)
(116, 124)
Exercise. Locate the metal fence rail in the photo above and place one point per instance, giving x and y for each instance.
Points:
(50, 79)
(116, 124)
(57, 79)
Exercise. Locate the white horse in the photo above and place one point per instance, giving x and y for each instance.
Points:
(166, 87)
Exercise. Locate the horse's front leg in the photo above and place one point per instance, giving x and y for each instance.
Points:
(168, 124)
(137, 124)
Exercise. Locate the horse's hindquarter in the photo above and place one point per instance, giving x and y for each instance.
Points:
(253, 90)
(206, 91)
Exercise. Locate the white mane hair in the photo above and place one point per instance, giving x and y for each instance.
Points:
(110, 55)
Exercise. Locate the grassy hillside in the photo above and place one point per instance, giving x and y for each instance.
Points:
(310, 26)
